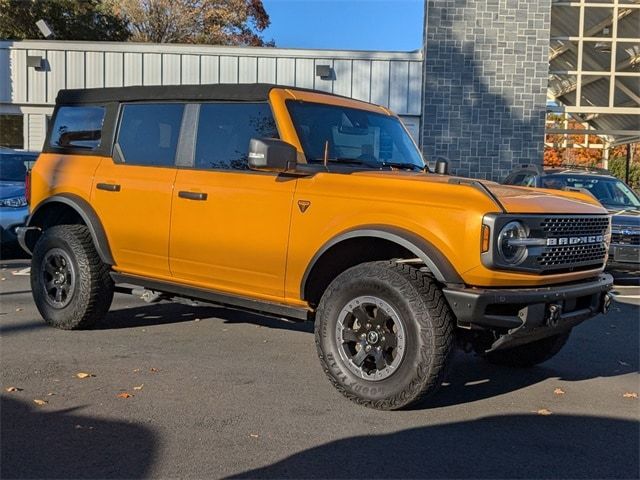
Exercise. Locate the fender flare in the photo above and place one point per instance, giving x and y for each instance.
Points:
(88, 215)
(432, 257)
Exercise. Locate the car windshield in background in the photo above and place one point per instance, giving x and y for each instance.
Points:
(612, 193)
(14, 166)
(350, 136)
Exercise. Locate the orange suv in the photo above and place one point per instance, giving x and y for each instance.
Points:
(310, 206)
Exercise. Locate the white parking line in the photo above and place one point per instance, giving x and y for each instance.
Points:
(24, 272)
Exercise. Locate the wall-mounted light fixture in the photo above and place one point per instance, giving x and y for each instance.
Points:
(325, 72)
(36, 62)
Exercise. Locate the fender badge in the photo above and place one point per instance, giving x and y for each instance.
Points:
(303, 205)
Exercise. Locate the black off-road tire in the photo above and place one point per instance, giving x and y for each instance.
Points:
(530, 354)
(427, 321)
(92, 286)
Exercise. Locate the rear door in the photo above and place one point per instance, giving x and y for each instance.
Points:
(132, 192)
(230, 225)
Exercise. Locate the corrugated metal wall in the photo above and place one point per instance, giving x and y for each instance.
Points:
(386, 78)
(390, 79)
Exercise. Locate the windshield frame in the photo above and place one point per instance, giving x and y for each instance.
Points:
(413, 160)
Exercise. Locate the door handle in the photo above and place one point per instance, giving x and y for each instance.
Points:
(192, 195)
(109, 187)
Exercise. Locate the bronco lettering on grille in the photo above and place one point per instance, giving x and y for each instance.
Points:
(575, 240)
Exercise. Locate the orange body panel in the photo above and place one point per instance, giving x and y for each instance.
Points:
(137, 218)
(250, 238)
(70, 174)
(235, 241)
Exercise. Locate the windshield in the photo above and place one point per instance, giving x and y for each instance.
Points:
(611, 192)
(14, 166)
(353, 137)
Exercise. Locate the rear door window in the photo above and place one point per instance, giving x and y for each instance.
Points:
(78, 127)
(224, 132)
(148, 133)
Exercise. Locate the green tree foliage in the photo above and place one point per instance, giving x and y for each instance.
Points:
(617, 168)
(69, 20)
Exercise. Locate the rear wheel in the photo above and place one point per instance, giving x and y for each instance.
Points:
(71, 286)
(384, 334)
(529, 354)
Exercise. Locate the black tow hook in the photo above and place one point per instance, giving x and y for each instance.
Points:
(554, 315)
(606, 303)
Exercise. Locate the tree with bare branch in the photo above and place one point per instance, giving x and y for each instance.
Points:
(217, 22)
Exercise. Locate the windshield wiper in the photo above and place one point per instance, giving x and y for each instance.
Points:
(404, 166)
(343, 160)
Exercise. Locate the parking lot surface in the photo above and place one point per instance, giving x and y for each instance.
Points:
(203, 392)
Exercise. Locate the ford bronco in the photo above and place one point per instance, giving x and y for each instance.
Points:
(306, 205)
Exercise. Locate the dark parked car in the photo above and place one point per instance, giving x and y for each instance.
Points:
(14, 210)
(613, 194)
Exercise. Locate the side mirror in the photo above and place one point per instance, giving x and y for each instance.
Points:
(272, 155)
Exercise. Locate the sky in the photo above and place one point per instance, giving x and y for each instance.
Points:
(390, 25)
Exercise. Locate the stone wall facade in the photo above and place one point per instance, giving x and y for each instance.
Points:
(485, 82)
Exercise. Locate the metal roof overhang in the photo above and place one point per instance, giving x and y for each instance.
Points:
(594, 67)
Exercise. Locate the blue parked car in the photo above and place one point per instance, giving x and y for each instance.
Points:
(614, 195)
(14, 210)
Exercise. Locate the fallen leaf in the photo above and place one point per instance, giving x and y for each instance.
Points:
(544, 411)
(558, 391)
(630, 395)
(139, 387)
(39, 402)
(253, 435)
(84, 375)
(624, 364)
(124, 395)
(152, 369)
(13, 389)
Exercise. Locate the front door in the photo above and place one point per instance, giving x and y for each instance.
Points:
(230, 225)
(132, 193)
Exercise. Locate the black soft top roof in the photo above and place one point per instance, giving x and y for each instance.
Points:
(247, 92)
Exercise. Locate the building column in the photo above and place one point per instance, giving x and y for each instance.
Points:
(485, 84)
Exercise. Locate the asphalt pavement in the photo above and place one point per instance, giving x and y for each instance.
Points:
(176, 391)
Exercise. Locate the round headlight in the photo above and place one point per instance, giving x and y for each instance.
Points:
(508, 247)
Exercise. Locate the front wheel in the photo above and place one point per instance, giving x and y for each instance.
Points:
(71, 286)
(384, 334)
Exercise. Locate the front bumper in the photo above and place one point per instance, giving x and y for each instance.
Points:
(624, 257)
(523, 315)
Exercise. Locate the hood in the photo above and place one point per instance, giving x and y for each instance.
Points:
(628, 218)
(513, 199)
(11, 189)
(539, 200)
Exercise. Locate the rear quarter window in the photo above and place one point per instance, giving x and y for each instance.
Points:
(77, 127)
(148, 133)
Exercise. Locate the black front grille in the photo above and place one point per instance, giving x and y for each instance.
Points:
(574, 226)
(625, 239)
(568, 256)
(572, 255)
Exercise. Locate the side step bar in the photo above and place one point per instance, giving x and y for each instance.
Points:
(223, 299)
